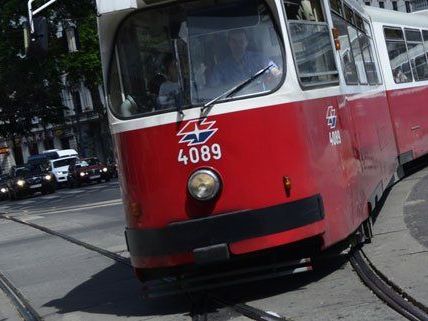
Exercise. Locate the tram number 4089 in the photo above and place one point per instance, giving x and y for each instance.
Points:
(199, 154)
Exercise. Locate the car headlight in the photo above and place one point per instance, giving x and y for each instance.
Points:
(204, 185)
(105, 169)
(48, 177)
(82, 174)
(3, 190)
(20, 183)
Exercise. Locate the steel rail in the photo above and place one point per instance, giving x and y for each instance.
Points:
(17, 299)
(397, 300)
(70, 239)
(241, 308)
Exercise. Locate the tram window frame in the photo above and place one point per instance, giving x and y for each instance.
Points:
(369, 33)
(113, 60)
(357, 22)
(333, 6)
(325, 23)
(349, 18)
(415, 42)
(397, 38)
(344, 68)
(425, 41)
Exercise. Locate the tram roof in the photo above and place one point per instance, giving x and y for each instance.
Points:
(390, 17)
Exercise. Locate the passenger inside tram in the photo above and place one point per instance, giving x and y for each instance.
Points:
(169, 90)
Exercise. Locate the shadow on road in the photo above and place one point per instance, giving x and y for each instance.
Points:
(115, 291)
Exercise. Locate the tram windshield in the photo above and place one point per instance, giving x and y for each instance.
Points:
(187, 54)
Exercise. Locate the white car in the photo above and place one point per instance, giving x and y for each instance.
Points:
(59, 167)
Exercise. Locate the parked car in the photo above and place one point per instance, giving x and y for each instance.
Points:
(46, 156)
(29, 180)
(87, 170)
(59, 168)
(4, 190)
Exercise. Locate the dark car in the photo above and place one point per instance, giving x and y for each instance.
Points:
(29, 180)
(85, 171)
(4, 189)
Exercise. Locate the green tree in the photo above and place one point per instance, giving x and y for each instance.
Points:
(29, 87)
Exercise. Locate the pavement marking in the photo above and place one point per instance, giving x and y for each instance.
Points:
(71, 192)
(54, 210)
(49, 197)
(415, 202)
(28, 218)
(26, 202)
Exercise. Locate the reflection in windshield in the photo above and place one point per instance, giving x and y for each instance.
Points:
(189, 53)
(64, 162)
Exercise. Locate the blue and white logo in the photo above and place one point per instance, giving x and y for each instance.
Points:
(196, 132)
(331, 117)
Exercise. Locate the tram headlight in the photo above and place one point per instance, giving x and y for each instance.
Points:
(20, 182)
(204, 185)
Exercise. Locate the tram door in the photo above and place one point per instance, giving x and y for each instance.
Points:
(365, 100)
(326, 117)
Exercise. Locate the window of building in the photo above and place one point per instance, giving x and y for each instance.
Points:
(77, 102)
(417, 56)
(33, 148)
(408, 8)
(381, 4)
(311, 43)
(367, 3)
(398, 57)
(394, 5)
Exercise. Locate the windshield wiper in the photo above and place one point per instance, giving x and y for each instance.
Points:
(237, 88)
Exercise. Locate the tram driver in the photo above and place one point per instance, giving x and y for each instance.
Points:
(241, 64)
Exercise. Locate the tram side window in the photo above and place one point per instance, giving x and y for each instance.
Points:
(397, 53)
(425, 35)
(311, 43)
(418, 59)
(368, 57)
(346, 57)
(358, 55)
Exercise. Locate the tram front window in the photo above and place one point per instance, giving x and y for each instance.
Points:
(185, 55)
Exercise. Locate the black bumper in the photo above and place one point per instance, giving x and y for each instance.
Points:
(227, 228)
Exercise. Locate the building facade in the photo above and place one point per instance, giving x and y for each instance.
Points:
(85, 130)
(397, 5)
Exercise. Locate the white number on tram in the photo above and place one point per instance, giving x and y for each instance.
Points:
(202, 154)
(335, 138)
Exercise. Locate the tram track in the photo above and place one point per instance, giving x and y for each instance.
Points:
(21, 304)
(386, 290)
(29, 314)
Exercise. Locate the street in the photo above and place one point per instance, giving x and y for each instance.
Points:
(65, 281)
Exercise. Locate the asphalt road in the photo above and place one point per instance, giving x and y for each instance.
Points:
(64, 281)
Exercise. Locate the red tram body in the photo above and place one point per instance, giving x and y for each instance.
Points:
(305, 152)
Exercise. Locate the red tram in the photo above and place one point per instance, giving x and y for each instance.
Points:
(242, 126)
